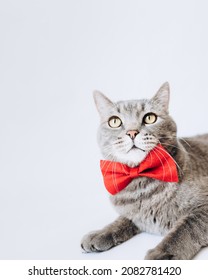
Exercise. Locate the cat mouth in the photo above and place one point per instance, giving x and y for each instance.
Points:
(136, 148)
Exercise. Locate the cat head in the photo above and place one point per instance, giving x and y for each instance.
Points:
(129, 130)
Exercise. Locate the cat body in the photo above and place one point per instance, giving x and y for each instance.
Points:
(129, 130)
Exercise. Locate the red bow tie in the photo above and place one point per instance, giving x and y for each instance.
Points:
(158, 165)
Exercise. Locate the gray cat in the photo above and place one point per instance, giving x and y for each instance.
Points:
(129, 130)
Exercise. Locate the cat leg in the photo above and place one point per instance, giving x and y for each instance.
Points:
(112, 235)
(185, 239)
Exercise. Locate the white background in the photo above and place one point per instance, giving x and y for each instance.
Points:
(53, 54)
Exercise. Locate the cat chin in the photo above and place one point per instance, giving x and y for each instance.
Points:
(132, 158)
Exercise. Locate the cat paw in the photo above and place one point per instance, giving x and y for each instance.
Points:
(158, 254)
(98, 241)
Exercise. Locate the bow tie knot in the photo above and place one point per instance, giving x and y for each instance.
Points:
(134, 172)
(158, 165)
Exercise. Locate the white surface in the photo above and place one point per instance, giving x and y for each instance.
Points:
(52, 55)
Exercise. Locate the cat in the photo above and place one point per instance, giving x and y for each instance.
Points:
(128, 132)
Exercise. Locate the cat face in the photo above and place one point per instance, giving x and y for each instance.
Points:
(129, 130)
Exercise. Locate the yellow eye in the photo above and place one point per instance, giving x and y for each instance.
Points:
(114, 122)
(149, 118)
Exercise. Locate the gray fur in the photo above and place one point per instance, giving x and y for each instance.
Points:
(177, 210)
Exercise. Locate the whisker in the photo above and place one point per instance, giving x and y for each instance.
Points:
(185, 141)
(170, 145)
(114, 177)
(150, 157)
(168, 137)
(175, 137)
(161, 163)
(112, 159)
(109, 163)
(125, 172)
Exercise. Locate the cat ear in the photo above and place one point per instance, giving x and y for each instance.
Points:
(162, 97)
(102, 103)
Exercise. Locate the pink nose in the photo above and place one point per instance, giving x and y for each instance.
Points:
(132, 133)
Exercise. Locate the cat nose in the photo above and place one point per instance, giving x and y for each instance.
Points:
(132, 133)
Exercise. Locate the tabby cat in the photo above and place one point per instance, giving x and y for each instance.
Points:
(128, 133)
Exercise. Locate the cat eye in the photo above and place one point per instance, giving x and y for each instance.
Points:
(114, 122)
(150, 118)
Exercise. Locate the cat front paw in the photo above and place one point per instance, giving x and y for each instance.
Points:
(159, 254)
(97, 241)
